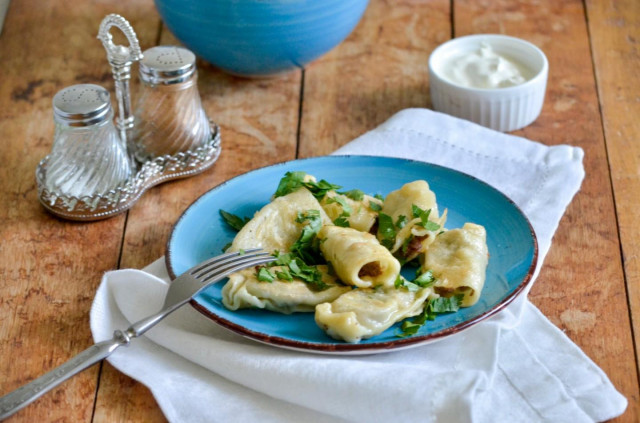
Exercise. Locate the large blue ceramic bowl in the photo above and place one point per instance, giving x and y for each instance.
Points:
(260, 37)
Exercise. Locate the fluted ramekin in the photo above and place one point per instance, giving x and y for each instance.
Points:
(502, 109)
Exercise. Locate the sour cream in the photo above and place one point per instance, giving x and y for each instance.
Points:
(485, 69)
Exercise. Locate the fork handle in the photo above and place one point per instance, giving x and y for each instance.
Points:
(28, 393)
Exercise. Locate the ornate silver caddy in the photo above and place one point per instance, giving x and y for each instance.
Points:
(97, 170)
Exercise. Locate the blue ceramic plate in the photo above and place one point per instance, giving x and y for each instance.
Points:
(201, 233)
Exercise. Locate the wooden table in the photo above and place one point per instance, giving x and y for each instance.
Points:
(50, 269)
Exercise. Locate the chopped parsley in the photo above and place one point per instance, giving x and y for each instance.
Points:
(401, 222)
(342, 220)
(284, 275)
(343, 203)
(386, 230)
(423, 280)
(306, 247)
(379, 197)
(424, 218)
(432, 308)
(234, 221)
(295, 180)
(308, 274)
(354, 194)
(265, 275)
(375, 206)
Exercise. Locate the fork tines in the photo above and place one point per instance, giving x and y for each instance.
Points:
(228, 263)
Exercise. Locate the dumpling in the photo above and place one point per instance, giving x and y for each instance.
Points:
(412, 237)
(363, 313)
(274, 227)
(358, 258)
(244, 290)
(361, 216)
(458, 259)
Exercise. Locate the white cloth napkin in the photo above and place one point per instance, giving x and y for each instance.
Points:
(516, 366)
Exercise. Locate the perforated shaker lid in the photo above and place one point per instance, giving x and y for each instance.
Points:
(81, 105)
(167, 65)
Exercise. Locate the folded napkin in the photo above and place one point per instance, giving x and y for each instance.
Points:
(515, 366)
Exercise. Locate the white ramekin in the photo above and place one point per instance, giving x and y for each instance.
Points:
(503, 109)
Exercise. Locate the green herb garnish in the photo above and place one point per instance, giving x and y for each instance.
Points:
(234, 221)
(284, 275)
(308, 274)
(432, 308)
(342, 221)
(401, 222)
(386, 230)
(264, 275)
(424, 218)
(306, 247)
(294, 180)
(354, 194)
(375, 206)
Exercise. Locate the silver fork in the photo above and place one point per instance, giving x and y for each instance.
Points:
(181, 290)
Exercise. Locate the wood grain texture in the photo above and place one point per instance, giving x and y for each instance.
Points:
(259, 120)
(615, 40)
(49, 268)
(582, 278)
(380, 69)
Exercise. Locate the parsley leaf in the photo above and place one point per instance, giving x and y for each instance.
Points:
(386, 230)
(432, 308)
(401, 222)
(426, 279)
(306, 246)
(354, 194)
(346, 208)
(422, 281)
(379, 197)
(320, 189)
(284, 275)
(424, 218)
(264, 275)
(375, 206)
(290, 183)
(234, 221)
(308, 274)
(342, 221)
(445, 305)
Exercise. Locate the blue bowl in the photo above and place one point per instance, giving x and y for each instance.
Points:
(260, 37)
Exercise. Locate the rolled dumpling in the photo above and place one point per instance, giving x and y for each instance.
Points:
(244, 290)
(458, 260)
(358, 258)
(405, 210)
(363, 313)
(275, 226)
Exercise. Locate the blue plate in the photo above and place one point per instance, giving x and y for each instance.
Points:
(201, 233)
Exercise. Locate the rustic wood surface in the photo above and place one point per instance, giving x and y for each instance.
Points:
(49, 268)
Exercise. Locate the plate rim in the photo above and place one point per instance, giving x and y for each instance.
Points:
(351, 348)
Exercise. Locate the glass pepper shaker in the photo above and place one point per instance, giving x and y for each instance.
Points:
(88, 156)
(168, 117)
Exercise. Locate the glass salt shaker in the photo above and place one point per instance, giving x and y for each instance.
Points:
(168, 117)
(88, 156)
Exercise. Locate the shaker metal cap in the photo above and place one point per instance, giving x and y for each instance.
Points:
(167, 65)
(82, 105)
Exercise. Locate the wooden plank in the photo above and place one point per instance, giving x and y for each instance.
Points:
(615, 42)
(581, 287)
(49, 268)
(259, 120)
(380, 69)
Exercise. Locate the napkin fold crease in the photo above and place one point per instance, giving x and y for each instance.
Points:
(514, 366)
